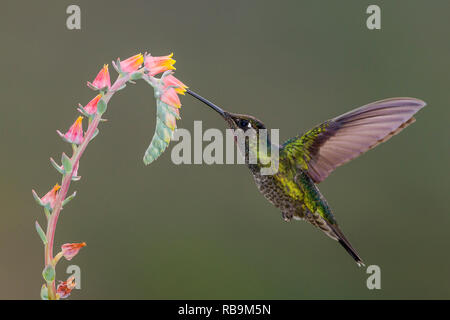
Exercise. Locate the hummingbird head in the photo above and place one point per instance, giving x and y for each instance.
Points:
(234, 120)
(251, 149)
(242, 121)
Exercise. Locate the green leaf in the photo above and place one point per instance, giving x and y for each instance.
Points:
(151, 154)
(101, 106)
(48, 273)
(66, 200)
(44, 292)
(95, 133)
(56, 166)
(163, 131)
(67, 163)
(136, 75)
(159, 144)
(41, 233)
(163, 134)
(155, 149)
(164, 107)
(36, 197)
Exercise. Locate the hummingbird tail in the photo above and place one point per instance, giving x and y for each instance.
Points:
(339, 236)
(352, 252)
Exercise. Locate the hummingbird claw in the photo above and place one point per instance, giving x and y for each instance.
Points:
(286, 217)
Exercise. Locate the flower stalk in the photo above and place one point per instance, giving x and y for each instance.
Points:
(54, 201)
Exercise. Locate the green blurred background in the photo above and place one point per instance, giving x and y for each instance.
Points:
(198, 231)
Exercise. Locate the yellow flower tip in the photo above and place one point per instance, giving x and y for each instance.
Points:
(56, 187)
(170, 55)
(79, 120)
(105, 67)
(167, 63)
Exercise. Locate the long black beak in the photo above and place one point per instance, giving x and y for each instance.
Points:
(208, 103)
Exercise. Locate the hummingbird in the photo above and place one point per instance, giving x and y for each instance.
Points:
(307, 159)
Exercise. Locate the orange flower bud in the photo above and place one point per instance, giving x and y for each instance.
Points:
(70, 250)
(50, 197)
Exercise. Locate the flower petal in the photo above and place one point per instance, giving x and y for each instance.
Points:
(156, 65)
(75, 132)
(65, 287)
(132, 64)
(70, 250)
(102, 79)
(50, 198)
(91, 107)
(170, 97)
(170, 80)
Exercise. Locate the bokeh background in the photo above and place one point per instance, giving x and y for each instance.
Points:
(199, 231)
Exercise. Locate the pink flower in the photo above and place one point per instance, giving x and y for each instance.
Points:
(156, 65)
(75, 133)
(91, 107)
(170, 80)
(171, 98)
(70, 250)
(50, 197)
(132, 64)
(102, 79)
(65, 287)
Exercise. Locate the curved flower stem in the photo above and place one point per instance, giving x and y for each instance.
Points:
(67, 178)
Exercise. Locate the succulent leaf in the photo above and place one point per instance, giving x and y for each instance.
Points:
(44, 292)
(41, 233)
(101, 106)
(67, 200)
(165, 126)
(49, 273)
(67, 163)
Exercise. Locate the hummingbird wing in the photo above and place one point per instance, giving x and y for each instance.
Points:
(339, 140)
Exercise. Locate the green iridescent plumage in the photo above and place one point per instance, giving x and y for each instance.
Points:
(297, 148)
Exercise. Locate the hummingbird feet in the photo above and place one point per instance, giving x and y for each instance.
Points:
(287, 216)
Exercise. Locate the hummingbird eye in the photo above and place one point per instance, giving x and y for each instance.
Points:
(243, 123)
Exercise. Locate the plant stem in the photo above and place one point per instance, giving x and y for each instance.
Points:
(67, 178)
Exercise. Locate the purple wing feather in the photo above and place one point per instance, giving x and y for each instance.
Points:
(345, 137)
